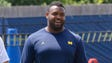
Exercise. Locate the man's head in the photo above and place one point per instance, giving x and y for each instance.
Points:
(56, 16)
(56, 3)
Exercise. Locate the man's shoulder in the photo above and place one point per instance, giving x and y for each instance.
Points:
(77, 36)
(37, 33)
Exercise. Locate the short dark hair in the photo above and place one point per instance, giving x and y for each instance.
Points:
(56, 3)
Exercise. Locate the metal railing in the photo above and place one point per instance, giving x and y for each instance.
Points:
(14, 39)
(96, 36)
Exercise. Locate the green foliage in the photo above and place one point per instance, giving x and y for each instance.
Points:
(4, 3)
(25, 2)
(46, 2)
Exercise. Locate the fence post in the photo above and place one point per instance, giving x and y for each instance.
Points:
(13, 48)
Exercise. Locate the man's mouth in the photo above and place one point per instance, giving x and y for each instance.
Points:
(58, 22)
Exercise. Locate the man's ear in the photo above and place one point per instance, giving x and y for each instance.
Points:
(47, 13)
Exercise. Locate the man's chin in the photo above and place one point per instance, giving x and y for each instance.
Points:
(58, 28)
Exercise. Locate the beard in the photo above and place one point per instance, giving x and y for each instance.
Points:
(56, 26)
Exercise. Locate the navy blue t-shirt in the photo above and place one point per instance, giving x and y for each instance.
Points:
(45, 47)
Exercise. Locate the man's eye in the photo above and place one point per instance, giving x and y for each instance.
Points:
(54, 13)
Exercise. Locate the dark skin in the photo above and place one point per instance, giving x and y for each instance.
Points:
(6, 62)
(56, 19)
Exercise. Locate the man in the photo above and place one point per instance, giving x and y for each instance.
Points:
(54, 43)
(3, 54)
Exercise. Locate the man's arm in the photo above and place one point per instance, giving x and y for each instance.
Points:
(80, 56)
(28, 52)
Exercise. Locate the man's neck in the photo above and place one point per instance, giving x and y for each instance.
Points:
(48, 29)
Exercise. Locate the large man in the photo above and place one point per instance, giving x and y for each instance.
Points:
(54, 43)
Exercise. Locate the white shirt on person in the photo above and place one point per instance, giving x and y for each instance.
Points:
(3, 54)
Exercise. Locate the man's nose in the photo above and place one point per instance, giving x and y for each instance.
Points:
(59, 16)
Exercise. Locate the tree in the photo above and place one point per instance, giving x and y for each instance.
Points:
(66, 2)
(25, 2)
(4, 3)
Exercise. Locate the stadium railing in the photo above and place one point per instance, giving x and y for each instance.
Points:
(96, 36)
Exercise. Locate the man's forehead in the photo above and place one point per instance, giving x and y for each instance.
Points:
(56, 7)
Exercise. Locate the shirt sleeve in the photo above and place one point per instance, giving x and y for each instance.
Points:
(3, 54)
(80, 56)
(28, 52)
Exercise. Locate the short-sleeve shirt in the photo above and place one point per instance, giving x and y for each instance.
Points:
(3, 54)
(46, 47)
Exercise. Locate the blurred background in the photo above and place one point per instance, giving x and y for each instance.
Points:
(91, 19)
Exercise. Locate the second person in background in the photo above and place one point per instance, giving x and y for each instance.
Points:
(3, 54)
